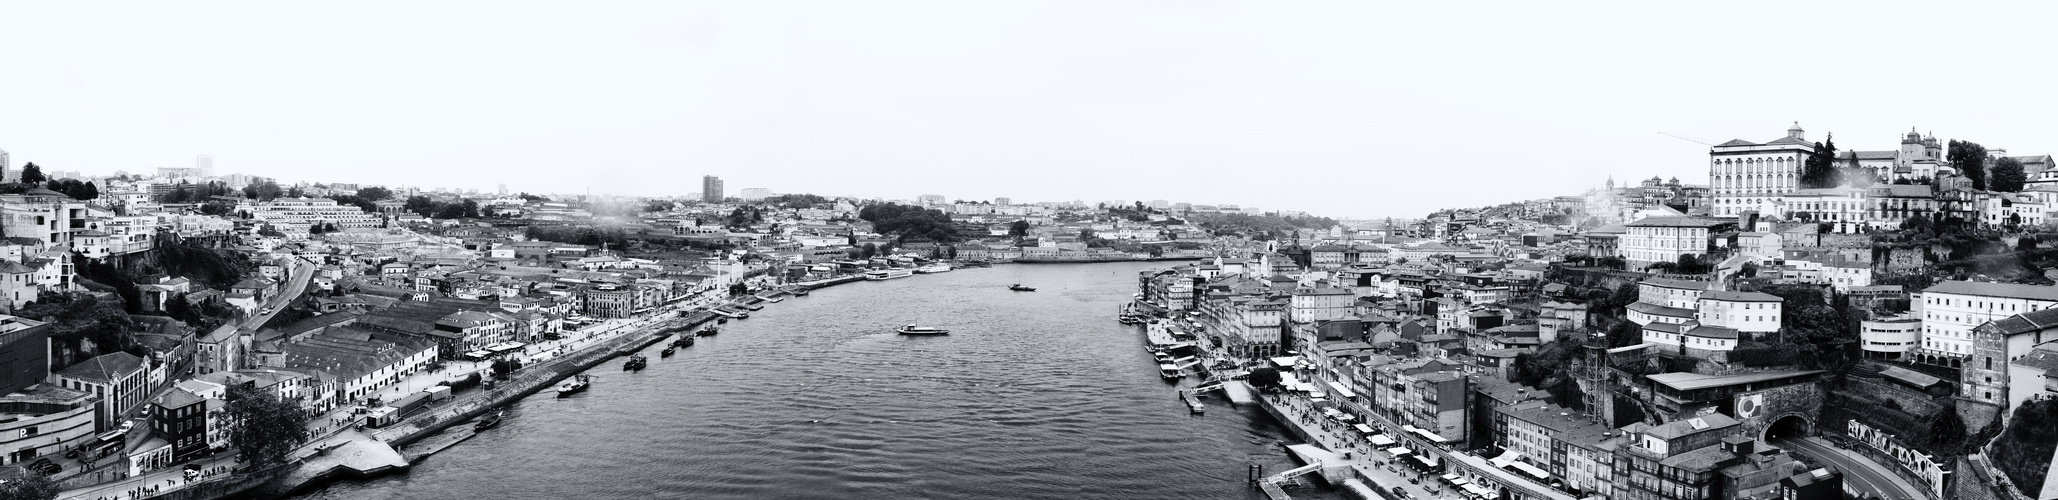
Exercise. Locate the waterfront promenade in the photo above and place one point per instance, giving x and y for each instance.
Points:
(1384, 470)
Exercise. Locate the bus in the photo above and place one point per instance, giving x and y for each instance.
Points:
(108, 443)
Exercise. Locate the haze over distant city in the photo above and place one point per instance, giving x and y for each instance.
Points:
(1344, 109)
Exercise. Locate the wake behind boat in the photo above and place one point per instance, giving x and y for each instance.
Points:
(920, 330)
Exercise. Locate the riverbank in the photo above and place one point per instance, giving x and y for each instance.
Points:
(419, 437)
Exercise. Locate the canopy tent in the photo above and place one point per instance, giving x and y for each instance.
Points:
(1362, 428)
(1286, 361)
(1478, 490)
(1422, 461)
(1431, 436)
(1451, 478)
(1291, 382)
(1397, 451)
(1381, 440)
(1505, 458)
(1347, 417)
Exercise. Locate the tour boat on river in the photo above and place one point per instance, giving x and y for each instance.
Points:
(887, 274)
(933, 268)
(577, 385)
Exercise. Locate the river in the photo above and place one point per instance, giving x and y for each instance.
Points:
(1033, 395)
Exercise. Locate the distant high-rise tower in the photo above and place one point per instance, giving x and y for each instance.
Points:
(503, 189)
(711, 189)
(206, 165)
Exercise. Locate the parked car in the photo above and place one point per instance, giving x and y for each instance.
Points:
(46, 466)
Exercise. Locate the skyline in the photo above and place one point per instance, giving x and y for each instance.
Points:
(1338, 110)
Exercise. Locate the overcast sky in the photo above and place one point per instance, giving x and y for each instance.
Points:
(1346, 109)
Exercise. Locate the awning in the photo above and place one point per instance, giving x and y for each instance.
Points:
(1289, 381)
(1531, 470)
(1381, 440)
(1505, 458)
(1477, 490)
(1286, 361)
(1345, 391)
(1460, 482)
(1451, 478)
(1431, 436)
(1397, 450)
(1424, 460)
(1363, 428)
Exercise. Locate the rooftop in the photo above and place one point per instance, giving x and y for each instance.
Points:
(2001, 290)
(1691, 381)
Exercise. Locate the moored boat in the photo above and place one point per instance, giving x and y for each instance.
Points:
(636, 363)
(920, 330)
(707, 332)
(488, 421)
(933, 268)
(668, 352)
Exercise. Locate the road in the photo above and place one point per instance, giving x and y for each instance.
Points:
(164, 480)
(1866, 477)
(303, 271)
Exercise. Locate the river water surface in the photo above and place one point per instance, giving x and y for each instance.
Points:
(1032, 395)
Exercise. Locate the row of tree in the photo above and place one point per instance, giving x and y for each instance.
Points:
(910, 222)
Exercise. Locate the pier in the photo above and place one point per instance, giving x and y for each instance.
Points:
(1193, 402)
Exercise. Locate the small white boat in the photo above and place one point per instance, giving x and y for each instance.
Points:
(933, 268)
(920, 330)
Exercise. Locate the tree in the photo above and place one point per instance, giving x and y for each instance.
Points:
(1819, 170)
(374, 193)
(1264, 377)
(265, 190)
(2007, 175)
(1970, 160)
(1018, 228)
(32, 174)
(264, 427)
(502, 367)
(21, 483)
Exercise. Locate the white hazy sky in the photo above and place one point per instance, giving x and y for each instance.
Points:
(1358, 109)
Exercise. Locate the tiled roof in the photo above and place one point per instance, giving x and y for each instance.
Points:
(1686, 381)
(2006, 290)
(1728, 296)
(1711, 332)
(104, 367)
(2027, 322)
(1684, 427)
(1676, 284)
(178, 398)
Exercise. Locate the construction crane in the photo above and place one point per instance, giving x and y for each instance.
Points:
(1687, 138)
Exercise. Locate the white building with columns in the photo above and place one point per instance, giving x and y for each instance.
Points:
(1743, 175)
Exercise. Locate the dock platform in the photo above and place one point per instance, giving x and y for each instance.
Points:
(1238, 392)
(1193, 402)
(429, 446)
